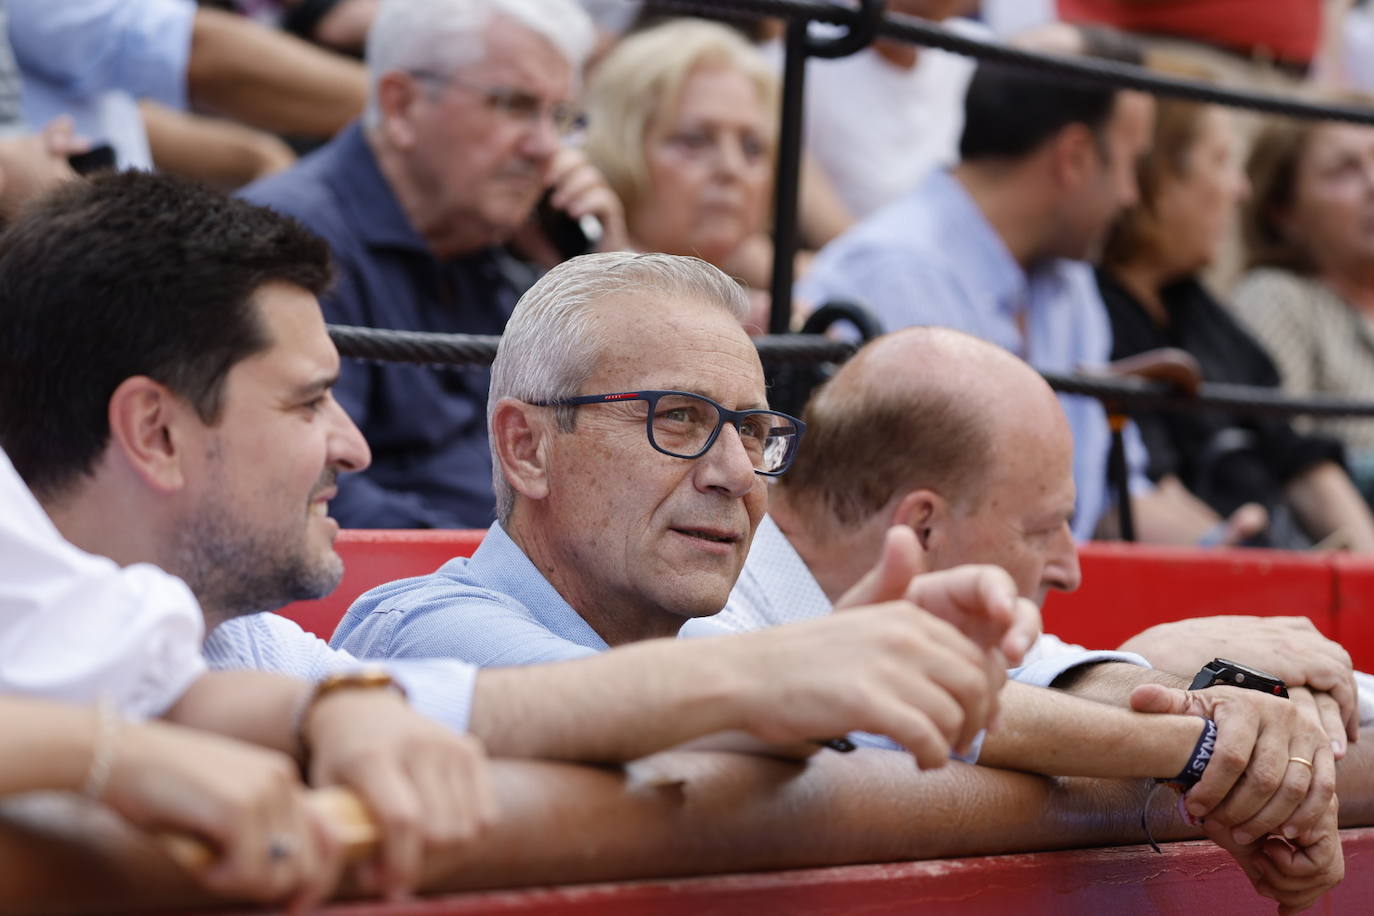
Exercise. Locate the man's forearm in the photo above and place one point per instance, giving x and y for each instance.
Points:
(1049, 732)
(270, 79)
(1355, 782)
(253, 706)
(617, 706)
(1112, 682)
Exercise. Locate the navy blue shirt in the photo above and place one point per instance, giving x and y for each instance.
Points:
(431, 466)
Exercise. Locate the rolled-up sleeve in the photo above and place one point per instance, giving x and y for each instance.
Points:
(1050, 657)
(77, 627)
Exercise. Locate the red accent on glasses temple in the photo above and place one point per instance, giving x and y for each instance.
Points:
(620, 397)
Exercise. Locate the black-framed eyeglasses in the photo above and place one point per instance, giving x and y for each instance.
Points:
(686, 425)
(518, 105)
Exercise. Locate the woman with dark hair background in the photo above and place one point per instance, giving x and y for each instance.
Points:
(1190, 187)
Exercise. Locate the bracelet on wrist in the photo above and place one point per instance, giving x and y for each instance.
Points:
(1197, 761)
(357, 679)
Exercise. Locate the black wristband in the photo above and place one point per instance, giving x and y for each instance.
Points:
(1198, 760)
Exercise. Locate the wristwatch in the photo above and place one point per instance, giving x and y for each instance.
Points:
(1222, 672)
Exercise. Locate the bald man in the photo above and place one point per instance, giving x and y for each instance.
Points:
(932, 448)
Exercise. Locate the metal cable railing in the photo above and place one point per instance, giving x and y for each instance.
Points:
(421, 348)
(1083, 69)
(788, 356)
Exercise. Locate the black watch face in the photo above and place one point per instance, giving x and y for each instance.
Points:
(1225, 672)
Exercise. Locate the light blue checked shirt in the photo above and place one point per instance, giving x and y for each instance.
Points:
(777, 587)
(439, 688)
(493, 609)
(94, 59)
(931, 258)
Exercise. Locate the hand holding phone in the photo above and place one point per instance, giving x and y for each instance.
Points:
(571, 237)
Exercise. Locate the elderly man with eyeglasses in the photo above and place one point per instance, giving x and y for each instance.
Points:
(632, 441)
(469, 104)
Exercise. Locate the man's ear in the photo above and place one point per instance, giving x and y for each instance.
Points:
(145, 428)
(520, 436)
(1075, 155)
(926, 513)
(396, 96)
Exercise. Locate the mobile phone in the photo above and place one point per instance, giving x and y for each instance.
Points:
(571, 237)
(96, 159)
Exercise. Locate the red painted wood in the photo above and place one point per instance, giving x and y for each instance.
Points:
(1188, 878)
(374, 557)
(1128, 587)
(1354, 579)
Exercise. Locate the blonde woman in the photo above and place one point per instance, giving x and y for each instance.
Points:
(682, 122)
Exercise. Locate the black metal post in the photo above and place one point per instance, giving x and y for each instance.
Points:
(787, 179)
(1117, 474)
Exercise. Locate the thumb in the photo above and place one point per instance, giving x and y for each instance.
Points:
(888, 580)
(1157, 698)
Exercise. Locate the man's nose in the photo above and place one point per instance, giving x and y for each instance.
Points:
(726, 466)
(348, 449)
(542, 137)
(1062, 572)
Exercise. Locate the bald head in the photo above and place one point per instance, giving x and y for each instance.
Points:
(946, 434)
(922, 408)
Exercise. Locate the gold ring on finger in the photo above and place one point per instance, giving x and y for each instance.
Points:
(1303, 760)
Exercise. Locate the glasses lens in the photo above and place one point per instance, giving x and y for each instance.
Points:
(682, 424)
(778, 449)
(778, 444)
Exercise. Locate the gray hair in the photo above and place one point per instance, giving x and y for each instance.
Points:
(441, 36)
(553, 341)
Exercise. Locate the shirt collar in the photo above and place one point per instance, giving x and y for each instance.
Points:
(999, 278)
(780, 570)
(376, 214)
(500, 565)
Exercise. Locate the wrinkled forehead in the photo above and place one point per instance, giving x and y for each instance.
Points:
(662, 340)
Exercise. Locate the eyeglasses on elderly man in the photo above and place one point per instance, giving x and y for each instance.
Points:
(685, 425)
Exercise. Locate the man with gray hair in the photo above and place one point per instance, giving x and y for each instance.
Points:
(468, 103)
(632, 441)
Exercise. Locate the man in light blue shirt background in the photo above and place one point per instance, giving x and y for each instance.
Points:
(998, 248)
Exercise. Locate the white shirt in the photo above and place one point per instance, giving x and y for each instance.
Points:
(877, 129)
(777, 587)
(76, 627)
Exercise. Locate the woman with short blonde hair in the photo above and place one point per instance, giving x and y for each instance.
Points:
(681, 121)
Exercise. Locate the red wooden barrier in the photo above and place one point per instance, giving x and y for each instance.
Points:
(1354, 608)
(1126, 587)
(1189, 878)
